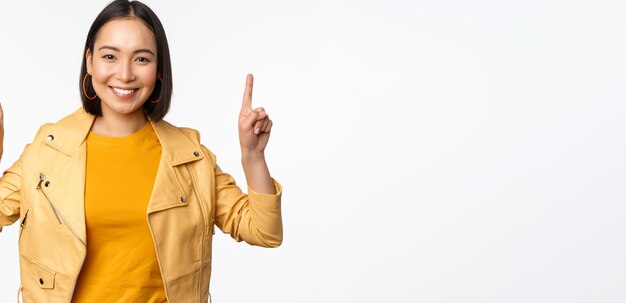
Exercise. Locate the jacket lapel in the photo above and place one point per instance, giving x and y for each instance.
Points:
(66, 172)
(171, 189)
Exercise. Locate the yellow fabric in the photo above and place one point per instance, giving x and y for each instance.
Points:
(121, 263)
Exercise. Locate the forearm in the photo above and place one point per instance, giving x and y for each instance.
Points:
(257, 173)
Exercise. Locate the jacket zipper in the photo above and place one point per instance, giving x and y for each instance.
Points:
(60, 219)
(23, 224)
(56, 214)
(193, 183)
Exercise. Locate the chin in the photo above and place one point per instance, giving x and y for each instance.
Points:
(124, 108)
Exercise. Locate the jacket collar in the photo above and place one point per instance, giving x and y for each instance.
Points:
(68, 135)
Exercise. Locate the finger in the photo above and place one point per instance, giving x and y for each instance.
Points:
(255, 115)
(268, 128)
(251, 119)
(258, 126)
(246, 105)
(261, 111)
(266, 121)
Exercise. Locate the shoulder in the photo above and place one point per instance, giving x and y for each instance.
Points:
(68, 120)
(194, 135)
(191, 133)
(43, 131)
(72, 127)
(168, 129)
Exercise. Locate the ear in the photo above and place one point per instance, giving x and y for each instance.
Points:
(88, 58)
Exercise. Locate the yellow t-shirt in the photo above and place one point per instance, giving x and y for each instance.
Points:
(121, 263)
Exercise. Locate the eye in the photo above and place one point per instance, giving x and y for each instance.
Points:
(108, 57)
(142, 59)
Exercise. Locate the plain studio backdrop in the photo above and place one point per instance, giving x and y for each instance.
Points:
(430, 151)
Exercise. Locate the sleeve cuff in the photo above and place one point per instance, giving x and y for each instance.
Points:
(266, 198)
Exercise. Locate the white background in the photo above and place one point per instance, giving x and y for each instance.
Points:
(430, 151)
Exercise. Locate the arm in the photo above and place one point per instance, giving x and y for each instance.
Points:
(257, 173)
(11, 181)
(254, 217)
(254, 133)
(10, 194)
(9, 186)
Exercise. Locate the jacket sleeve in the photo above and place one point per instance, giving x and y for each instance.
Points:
(10, 184)
(10, 194)
(253, 217)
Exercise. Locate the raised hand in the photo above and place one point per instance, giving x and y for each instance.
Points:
(254, 124)
(1, 131)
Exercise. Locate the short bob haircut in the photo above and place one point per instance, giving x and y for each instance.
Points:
(162, 89)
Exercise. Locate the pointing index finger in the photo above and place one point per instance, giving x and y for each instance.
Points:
(247, 94)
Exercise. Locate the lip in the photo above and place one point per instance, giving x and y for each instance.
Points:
(124, 96)
(123, 87)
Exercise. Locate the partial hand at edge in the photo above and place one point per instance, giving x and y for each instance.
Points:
(1, 131)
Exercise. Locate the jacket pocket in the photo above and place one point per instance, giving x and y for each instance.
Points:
(42, 276)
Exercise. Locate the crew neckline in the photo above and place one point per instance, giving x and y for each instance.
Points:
(118, 140)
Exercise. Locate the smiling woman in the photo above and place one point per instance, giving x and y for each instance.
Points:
(124, 204)
(126, 46)
(123, 70)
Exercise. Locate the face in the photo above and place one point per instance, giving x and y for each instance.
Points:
(123, 66)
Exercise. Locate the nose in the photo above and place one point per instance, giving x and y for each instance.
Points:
(125, 72)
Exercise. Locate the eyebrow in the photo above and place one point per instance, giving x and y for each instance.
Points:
(142, 50)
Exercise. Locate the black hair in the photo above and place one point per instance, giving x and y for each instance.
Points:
(162, 89)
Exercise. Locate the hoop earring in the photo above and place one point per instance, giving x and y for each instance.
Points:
(157, 100)
(85, 91)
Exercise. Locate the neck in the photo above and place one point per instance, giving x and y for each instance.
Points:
(111, 124)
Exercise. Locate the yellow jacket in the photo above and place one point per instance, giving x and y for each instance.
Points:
(44, 189)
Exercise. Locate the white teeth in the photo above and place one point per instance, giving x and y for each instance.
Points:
(123, 91)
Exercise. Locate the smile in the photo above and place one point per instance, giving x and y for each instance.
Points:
(124, 92)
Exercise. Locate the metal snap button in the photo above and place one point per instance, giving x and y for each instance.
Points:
(41, 281)
(50, 137)
(182, 199)
(47, 183)
(196, 153)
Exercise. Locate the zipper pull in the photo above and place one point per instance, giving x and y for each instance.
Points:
(41, 178)
(23, 223)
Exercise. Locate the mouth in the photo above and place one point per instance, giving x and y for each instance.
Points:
(124, 92)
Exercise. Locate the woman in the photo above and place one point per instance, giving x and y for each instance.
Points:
(114, 203)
